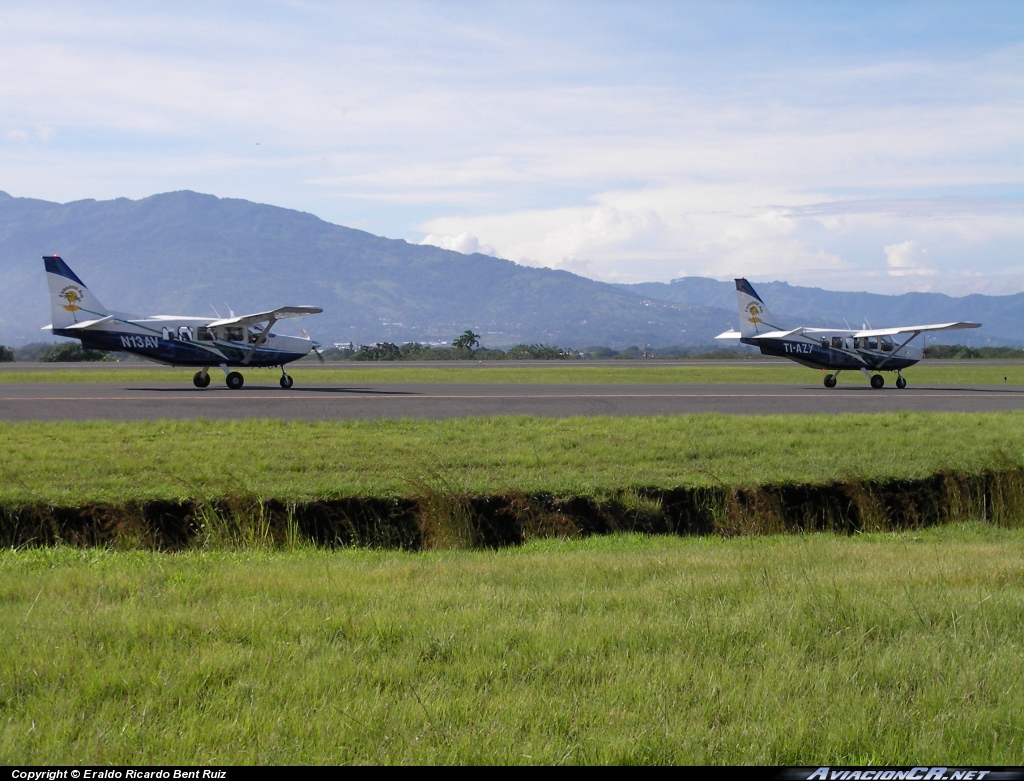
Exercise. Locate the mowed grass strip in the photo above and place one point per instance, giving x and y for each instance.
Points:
(71, 464)
(921, 375)
(796, 650)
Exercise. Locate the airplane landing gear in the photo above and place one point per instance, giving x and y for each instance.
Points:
(830, 381)
(877, 381)
(901, 383)
(234, 380)
(286, 381)
(201, 379)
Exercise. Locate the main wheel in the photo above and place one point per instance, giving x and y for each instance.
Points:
(830, 381)
(286, 381)
(234, 380)
(200, 380)
(901, 383)
(877, 381)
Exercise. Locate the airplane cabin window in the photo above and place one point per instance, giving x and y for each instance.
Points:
(205, 334)
(837, 342)
(165, 334)
(185, 333)
(872, 343)
(887, 344)
(236, 334)
(824, 342)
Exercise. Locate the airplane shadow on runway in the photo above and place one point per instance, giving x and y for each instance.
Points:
(222, 391)
(858, 389)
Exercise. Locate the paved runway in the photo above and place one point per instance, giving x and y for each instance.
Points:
(153, 401)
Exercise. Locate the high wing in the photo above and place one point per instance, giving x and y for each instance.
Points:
(916, 329)
(265, 317)
(272, 316)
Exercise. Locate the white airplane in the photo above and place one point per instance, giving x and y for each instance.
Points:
(178, 341)
(867, 350)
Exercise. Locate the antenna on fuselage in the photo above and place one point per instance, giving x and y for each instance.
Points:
(215, 311)
(231, 312)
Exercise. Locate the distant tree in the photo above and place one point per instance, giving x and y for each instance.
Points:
(488, 354)
(70, 352)
(960, 351)
(382, 351)
(6, 354)
(467, 341)
(536, 352)
(413, 351)
(30, 351)
(600, 352)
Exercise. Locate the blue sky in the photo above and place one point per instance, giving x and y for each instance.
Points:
(861, 146)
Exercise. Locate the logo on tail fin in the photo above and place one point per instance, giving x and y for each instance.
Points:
(754, 309)
(73, 295)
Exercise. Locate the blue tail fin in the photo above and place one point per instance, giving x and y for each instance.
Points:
(754, 315)
(70, 300)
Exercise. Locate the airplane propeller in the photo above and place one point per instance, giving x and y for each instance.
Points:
(316, 345)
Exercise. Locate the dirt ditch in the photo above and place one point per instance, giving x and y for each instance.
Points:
(438, 519)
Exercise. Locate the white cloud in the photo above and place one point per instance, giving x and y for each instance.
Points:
(906, 258)
(465, 242)
(725, 232)
(622, 144)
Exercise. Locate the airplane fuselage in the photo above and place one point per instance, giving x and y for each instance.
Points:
(190, 341)
(838, 350)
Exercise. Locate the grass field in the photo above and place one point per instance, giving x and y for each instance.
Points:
(71, 464)
(797, 650)
(964, 373)
(778, 650)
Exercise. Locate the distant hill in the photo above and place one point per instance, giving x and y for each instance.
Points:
(185, 253)
(1002, 317)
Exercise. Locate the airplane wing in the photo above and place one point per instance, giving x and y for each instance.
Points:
(732, 333)
(262, 317)
(909, 329)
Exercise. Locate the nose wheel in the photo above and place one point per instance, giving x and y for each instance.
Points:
(901, 383)
(286, 381)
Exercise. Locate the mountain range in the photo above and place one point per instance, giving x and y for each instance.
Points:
(187, 253)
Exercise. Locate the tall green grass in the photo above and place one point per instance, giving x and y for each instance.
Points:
(799, 650)
(78, 463)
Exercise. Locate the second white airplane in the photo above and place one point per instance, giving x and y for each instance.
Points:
(835, 350)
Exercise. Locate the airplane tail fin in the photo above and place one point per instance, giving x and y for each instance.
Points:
(70, 300)
(754, 315)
